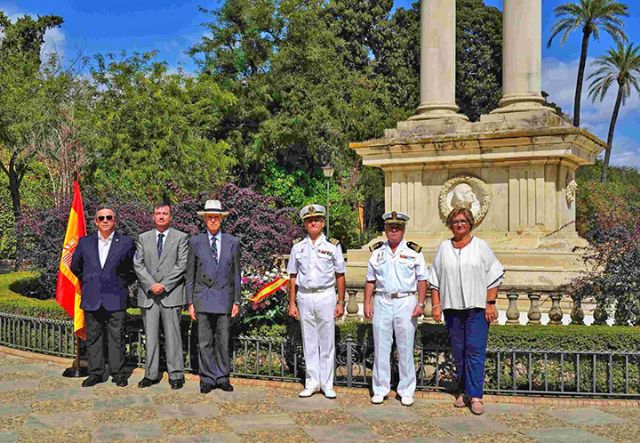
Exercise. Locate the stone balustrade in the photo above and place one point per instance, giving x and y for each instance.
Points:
(517, 306)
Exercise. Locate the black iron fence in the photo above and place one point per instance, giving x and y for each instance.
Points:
(508, 371)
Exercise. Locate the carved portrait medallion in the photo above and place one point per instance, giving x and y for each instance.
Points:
(467, 192)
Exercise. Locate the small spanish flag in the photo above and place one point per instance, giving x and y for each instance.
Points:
(68, 290)
(269, 289)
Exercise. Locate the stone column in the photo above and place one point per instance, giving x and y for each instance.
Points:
(521, 56)
(437, 60)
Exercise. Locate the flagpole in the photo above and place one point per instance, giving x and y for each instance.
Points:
(76, 369)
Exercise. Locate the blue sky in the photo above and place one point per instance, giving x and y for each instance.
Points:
(172, 26)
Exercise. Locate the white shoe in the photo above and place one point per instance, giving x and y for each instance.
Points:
(330, 393)
(377, 399)
(306, 392)
(407, 401)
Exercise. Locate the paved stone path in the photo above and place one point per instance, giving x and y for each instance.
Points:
(37, 404)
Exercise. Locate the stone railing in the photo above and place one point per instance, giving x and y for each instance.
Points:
(517, 305)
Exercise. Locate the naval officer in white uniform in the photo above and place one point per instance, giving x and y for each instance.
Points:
(396, 271)
(316, 266)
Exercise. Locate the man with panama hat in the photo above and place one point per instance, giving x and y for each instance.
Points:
(213, 295)
(396, 270)
(316, 265)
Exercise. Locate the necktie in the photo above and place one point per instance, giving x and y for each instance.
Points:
(160, 237)
(214, 250)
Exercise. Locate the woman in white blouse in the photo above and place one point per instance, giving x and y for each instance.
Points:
(464, 283)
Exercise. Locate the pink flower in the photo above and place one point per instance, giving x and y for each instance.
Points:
(254, 306)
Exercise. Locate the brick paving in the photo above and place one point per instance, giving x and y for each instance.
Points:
(38, 404)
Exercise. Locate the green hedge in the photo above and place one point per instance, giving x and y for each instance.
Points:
(11, 301)
(565, 338)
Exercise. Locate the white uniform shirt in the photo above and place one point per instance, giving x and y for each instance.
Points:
(103, 247)
(463, 276)
(397, 272)
(316, 264)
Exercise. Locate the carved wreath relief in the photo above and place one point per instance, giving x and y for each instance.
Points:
(466, 192)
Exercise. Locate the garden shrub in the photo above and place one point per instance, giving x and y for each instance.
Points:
(14, 303)
(264, 230)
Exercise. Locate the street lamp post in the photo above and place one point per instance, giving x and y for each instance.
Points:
(328, 170)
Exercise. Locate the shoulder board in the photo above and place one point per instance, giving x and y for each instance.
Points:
(375, 246)
(334, 242)
(415, 246)
(297, 240)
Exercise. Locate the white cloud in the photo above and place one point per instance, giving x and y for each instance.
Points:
(53, 43)
(559, 81)
(626, 152)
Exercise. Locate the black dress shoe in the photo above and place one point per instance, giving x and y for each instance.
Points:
(120, 381)
(205, 388)
(176, 384)
(146, 382)
(91, 380)
(226, 387)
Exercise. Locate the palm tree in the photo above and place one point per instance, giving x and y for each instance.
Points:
(620, 65)
(591, 16)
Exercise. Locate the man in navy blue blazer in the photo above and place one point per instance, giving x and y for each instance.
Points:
(213, 295)
(103, 262)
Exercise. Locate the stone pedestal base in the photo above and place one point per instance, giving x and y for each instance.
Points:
(515, 171)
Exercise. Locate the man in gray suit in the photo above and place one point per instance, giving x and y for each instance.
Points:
(160, 263)
(213, 294)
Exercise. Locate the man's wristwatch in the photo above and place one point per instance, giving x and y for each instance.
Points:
(491, 302)
(341, 302)
(421, 305)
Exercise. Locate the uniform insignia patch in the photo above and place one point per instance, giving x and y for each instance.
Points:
(334, 242)
(297, 240)
(416, 247)
(375, 246)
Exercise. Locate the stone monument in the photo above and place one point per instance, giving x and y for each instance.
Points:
(515, 168)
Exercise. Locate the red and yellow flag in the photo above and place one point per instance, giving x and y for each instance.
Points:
(269, 289)
(68, 289)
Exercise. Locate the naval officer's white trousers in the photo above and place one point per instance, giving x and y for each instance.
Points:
(389, 316)
(317, 323)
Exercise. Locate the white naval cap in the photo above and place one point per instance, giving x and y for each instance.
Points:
(395, 217)
(312, 211)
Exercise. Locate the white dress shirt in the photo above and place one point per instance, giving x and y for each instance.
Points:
(463, 276)
(218, 238)
(396, 272)
(103, 247)
(315, 265)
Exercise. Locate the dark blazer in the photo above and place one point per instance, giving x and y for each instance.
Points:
(106, 286)
(213, 288)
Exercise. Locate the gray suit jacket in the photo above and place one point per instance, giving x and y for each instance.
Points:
(213, 288)
(169, 269)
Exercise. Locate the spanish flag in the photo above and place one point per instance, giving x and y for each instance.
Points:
(68, 290)
(269, 289)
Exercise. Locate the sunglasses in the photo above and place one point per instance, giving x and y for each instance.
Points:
(459, 222)
(103, 217)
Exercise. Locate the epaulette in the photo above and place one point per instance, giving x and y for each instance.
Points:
(297, 240)
(334, 242)
(415, 246)
(375, 246)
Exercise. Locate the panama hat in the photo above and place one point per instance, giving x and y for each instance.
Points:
(213, 207)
